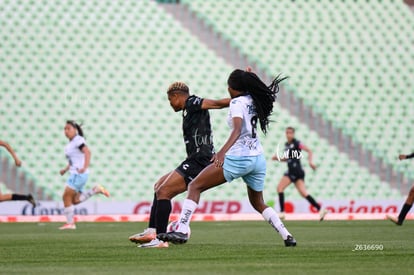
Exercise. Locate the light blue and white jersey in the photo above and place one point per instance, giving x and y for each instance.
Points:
(74, 154)
(248, 143)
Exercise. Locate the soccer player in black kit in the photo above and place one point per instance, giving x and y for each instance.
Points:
(408, 202)
(18, 162)
(198, 140)
(292, 155)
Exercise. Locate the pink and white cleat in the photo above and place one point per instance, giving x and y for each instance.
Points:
(67, 226)
(99, 189)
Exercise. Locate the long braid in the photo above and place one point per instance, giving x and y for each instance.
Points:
(263, 96)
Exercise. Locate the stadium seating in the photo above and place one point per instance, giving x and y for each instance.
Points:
(108, 64)
(351, 61)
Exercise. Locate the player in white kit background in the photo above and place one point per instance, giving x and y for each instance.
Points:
(79, 156)
(241, 156)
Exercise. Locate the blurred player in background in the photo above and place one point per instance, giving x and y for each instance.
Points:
(241, 156)
(79, 157)
(198, 140)
(408, 202)
(295, 173)
(15, 197)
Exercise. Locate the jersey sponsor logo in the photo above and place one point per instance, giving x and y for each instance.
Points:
(250, 143)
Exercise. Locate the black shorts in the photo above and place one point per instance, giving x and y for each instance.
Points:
(190, 168)
(295, 175)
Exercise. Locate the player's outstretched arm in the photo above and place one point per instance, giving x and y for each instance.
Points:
(310, 155)
(17, 161)
(276, 157)
(215, 104)
(401, 157)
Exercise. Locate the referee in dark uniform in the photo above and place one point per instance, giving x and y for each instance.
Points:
(408, 202)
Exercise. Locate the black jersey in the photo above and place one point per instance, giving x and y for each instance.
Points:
(197, 132)
(294, 153)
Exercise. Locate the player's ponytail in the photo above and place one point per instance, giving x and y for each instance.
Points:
(77, 126)
(263, 95)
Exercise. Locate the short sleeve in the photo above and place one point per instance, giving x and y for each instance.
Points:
(193, 104)
(79, 141)
(236, 108)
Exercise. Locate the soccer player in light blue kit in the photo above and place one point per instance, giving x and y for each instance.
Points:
(241, 156)
(78, 156)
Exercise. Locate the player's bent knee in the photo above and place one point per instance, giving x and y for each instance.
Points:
(163, 193)
(195, 188)
(259, 206)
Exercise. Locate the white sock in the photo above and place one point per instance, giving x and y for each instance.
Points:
(86, 195)
(270, 215)
(189, 207)
(69, 213)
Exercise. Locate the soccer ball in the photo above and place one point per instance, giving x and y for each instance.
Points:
(172, 226)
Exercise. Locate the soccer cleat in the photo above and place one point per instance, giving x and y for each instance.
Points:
(68, 226)
(282, 215)
(155, 243)
(290, 241)
(101, 190)
(322, 214)
(394, 220)
(31, 200)
(147, 236)
(174, 237)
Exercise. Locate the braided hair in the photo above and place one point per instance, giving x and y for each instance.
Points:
(263, 96)
(77, 126)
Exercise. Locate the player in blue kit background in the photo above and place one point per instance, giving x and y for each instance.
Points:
(241, 156)
(198, 141)
(79, 156)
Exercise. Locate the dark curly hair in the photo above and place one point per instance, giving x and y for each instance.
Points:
(263, 96)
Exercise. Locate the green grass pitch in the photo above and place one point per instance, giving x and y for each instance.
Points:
(215, 248)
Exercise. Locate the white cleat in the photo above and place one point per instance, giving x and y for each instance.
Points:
(70, 226)
(322, 214)
(393, 219)
(147, 236)
(155, 243)
(282, 215)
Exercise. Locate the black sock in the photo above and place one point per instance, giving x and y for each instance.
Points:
(406, 207)
(162, 215)
(18, 197)
(152, 223)
(312, 201)
(282, 201)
